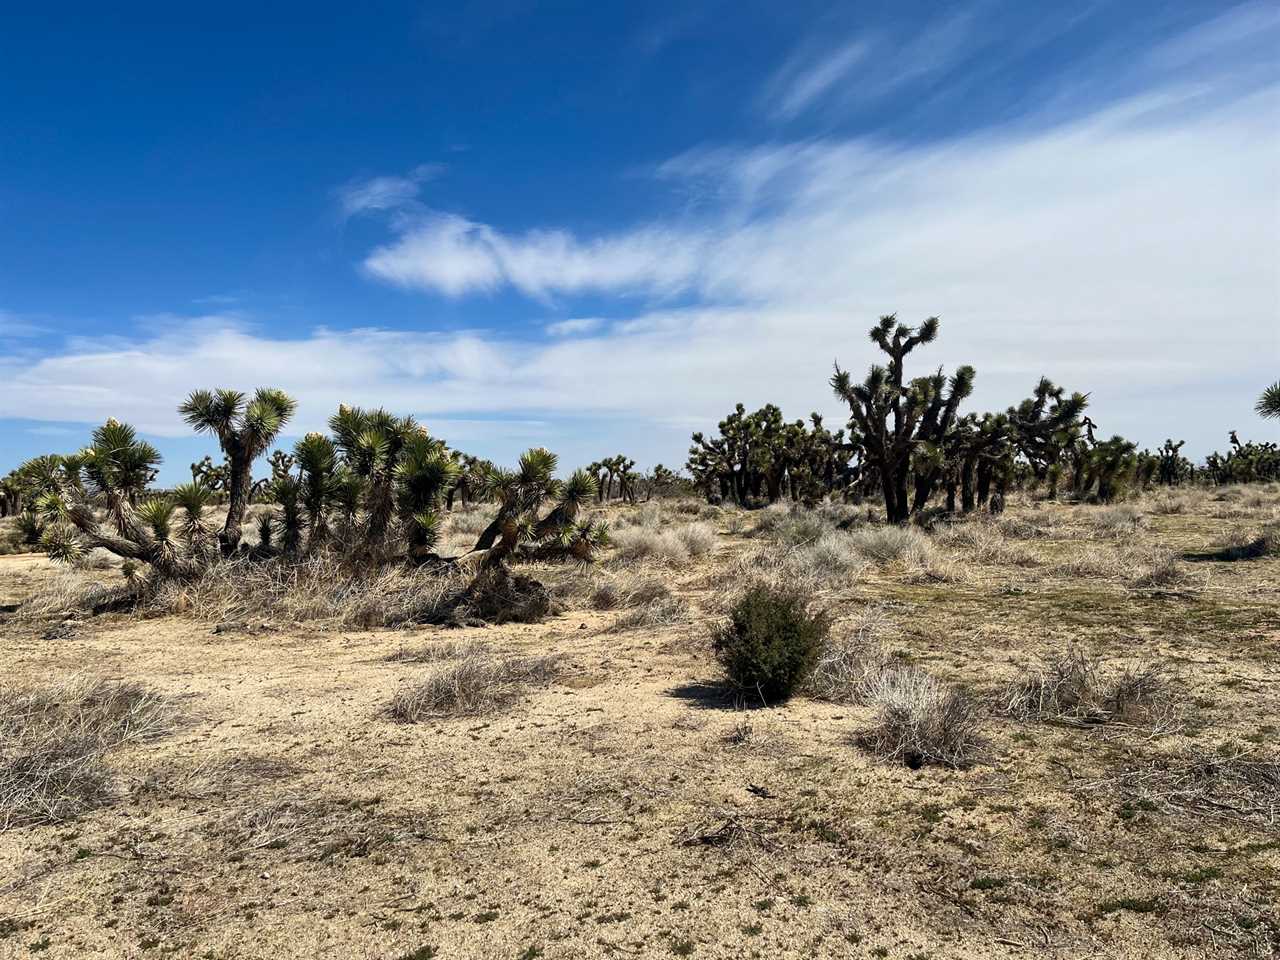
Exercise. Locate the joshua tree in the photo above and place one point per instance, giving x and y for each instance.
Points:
(317, 460)
(1171, 467)
(904, 425)
(244, 429)
(1268, 405)
(424, 474)
(520, 493)
(111, 474)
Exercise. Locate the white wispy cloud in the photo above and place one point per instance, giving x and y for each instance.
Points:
(574, 327)
(385, 192)
(454, 256)
(868, 67)
(12, 325)
(803, 79)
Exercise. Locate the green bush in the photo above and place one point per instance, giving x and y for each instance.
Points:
(770, 643)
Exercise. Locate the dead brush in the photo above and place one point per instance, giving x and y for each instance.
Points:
(831, 560)
(53, 740)
(1079, 690)
(318, 588)
(849, 663)
(1236, 786)
(471, 685)
(628, 590)
(666, 611)
(921, 720)
(648, 544)
(69, 594)
(437, 652)
(1112, 523)
(987, 543)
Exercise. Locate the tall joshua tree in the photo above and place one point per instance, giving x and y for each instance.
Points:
(903, 424)
(1268, 404)
(244, 428)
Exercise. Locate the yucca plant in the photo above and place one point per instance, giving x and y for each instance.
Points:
(118, 467)
(317, 460)
(370, 442)
(520, 494)
(112, 474)
(244, 429)
(1268, 405)
(192, 499)
(424, 475)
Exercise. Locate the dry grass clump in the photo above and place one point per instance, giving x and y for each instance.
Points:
(986, 543)
(650, 515)
(831, 560)
(849, 663)
(1159, 568)
(1242, 545)
(1021, 528)
(887, 544)
(1080, 690)
(921, 720)
(318, 588)
(469, 522)
(474, 683)
(661, 611)
(68, 593)
(624, 591)
(673, 546)
(1115, 522)
(1168, 504)
(53, 740)
(439, 651)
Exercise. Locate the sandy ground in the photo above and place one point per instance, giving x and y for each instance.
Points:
(288, 816)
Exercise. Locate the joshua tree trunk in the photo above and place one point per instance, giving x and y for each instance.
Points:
(240, 467)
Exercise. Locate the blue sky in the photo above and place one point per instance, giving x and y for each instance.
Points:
(598, 226)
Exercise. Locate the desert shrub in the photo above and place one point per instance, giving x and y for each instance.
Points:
(921, 720)
(649, 544)
(698, 538)
(1160, 569)
(1076, 688)
(498, 596)
(628, 592)
(1240, 545)
(832, 558)
(437, 652)
(472, 684)
(1115, 522)
(768, 520)
(470, 523)
(791, 524)
(771, 642)
(70, 594)
(848, 664)
(53, 740)
(1168, 504)
(887, 544)
(648, 515)
(662, 611)
(317, 588)
(986, 542)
